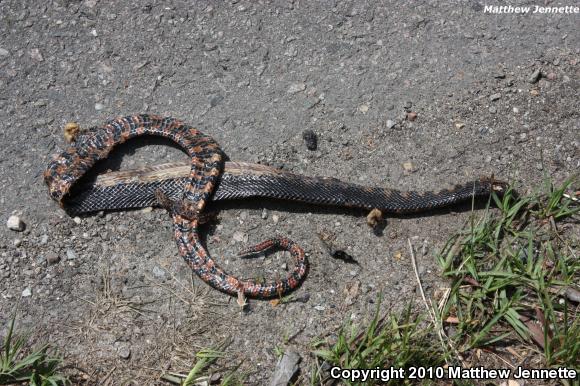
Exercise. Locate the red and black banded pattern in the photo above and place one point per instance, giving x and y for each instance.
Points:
(206, 165)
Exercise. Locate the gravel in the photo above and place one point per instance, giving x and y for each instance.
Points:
(159, 273)
(14, 223)
(286, 369)
(535, 76)
(310, 139)
(70, 254)
(296, 88)
(52, 258)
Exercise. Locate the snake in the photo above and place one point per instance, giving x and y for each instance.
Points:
(185, 189)
(206, 160)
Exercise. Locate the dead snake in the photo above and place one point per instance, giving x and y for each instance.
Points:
(185, 189)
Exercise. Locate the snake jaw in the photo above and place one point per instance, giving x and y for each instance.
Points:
(497, 188)
(500, 187)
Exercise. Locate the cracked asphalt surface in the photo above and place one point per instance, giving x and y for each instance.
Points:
(410, 96)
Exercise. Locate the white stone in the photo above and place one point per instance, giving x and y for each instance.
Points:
(15, 223)
(296, 87)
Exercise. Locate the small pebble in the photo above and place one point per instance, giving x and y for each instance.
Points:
(495, 97)
(493, 109)
(459, 125)
(40, 103)
(159, 272)
(304, 298)
(572, 294)
(52, 258)
(27, 292)
(77, 220)
(99, 106)
(125, 352)
(4, 52)
(295, 88)
(286, 369)
(363, 108)
(43, 239)
(240, 236)
(411, 116)
(319, 308)
(70, 254)
(551, 76)
(264, 214)
(215, 100)
(535, 76)
(408, 166)
(275, 218)
(534, 92)
(36, 55)
(310, 139)
(17, 242)
(15, 223)
(516, 110)
(390, 124)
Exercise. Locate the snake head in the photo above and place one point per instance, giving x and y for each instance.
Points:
(495, 186)
(499, 187)
(58, 186)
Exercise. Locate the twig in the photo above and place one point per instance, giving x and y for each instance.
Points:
(429, 305)
(429, 308)
(106, 378)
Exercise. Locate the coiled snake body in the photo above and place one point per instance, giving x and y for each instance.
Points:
(185, 190)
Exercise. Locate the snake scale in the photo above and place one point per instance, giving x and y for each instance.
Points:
(185, 190)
